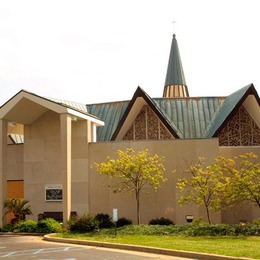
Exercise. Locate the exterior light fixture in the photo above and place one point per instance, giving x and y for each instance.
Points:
(189, 218)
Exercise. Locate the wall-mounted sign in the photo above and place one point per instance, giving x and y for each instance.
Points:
(53, 192)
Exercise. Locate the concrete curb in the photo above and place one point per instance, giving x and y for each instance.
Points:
(161, 251)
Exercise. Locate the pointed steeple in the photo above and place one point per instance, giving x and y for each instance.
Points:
(175, 84)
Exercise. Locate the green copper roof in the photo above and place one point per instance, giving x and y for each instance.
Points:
(110, 113)
(232, 102)
(175, 73)
(190, 115)
(197, 117)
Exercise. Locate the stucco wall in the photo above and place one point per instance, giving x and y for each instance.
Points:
(178, 155)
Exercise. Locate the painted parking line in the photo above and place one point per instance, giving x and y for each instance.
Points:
(9, 254)
(39, 251)
(63, 259)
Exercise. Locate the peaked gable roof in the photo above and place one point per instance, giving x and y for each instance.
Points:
(229, 107)
(139, 99)
(25, 107)
(196, 117)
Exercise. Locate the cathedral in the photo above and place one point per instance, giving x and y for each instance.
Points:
(49, 147)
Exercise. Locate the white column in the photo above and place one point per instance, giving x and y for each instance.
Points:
(65, 126)
(94, 133)
(3, 166)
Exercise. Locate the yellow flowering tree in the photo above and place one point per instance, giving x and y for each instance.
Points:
(223, 183)
(132, 171)
(204, 186)
(243, 174)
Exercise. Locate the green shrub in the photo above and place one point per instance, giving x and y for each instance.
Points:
(218, 230)
(192, 230)
(26, 226)
(104, 221)
(8, 228)
(123, 222)
(145, 230)
(160, 221)
(256, 222)
(48, 225)
(84, 224)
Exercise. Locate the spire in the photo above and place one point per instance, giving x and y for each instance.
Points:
(175, 84)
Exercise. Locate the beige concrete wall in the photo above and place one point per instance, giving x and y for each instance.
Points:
(15, 162)
(230, 152)
(3, 166)
(178, 154)
(80, 166)
(42, 163)
(246, 211)
(38, 162)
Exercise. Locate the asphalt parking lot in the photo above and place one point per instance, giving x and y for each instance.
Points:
(34, 247)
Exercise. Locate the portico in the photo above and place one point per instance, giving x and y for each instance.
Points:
(46, 153)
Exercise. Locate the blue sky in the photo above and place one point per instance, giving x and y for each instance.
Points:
(99, 50)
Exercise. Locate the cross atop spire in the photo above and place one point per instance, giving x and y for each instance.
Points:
(173, 22)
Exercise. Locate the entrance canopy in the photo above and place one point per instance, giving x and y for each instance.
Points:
(25, 108)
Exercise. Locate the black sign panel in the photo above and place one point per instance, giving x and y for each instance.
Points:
(53, 194)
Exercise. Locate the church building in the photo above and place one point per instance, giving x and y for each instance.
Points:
(49, 147)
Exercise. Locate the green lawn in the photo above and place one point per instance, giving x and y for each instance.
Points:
(229, 246)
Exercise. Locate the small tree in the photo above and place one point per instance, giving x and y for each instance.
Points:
(18, 208)
(243, 178)
(204, 186)
(132, 171)
(222, 184)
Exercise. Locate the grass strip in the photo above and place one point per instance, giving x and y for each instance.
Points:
(228, 246)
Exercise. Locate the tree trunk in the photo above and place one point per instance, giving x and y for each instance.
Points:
(208, 216)
(206, 203)
(137, 195)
